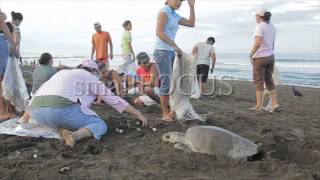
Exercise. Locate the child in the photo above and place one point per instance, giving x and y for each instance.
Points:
(112, 80)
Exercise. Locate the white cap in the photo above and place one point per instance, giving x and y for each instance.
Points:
(97, 24)
(261, 11)
(90, 64)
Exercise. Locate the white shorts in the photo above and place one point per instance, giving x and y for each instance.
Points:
(127, 65)
(145, 98)
(135, 90)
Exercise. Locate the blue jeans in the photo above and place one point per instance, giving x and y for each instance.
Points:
(4, 54)
(164, 60)
(70, 118)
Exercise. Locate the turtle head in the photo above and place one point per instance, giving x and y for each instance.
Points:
(173, 137)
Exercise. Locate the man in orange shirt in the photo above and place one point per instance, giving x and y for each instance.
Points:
(100, 41)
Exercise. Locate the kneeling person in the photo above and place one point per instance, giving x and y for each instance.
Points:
(148, 74)
(63, 102)
(111, 79)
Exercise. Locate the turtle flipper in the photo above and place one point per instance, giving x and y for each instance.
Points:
(182, 147)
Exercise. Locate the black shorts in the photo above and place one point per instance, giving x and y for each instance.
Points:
(202, 72)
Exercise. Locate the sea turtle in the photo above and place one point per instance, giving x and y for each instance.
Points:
(212, 140)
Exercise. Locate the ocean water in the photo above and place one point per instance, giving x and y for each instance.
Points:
(294, 69)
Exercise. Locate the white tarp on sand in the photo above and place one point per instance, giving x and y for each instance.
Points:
(31, 129)
(184, 84)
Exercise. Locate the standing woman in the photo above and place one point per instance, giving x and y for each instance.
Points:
(6, 39)
(126, 48)
(262, 59)
(5, 34)
(16, 21)
(167, 26)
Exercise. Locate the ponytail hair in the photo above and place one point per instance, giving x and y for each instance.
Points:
(10, 27)
(16, 16)
(267, 16)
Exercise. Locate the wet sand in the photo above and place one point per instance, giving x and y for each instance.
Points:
(291, 144)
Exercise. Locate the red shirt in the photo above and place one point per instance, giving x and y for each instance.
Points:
(144, 75)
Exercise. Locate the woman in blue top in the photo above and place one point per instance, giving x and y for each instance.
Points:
(167, 26)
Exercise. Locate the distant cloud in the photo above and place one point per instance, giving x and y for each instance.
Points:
(297, 6)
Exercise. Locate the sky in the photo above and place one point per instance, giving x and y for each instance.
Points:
(65, 28)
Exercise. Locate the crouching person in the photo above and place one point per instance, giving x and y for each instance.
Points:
(63, 102)
(148, 77)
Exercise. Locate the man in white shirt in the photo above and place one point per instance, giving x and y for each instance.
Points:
(204, 55)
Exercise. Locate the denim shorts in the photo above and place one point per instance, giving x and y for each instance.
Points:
(4, 54)
(70, 118)
(164, 60)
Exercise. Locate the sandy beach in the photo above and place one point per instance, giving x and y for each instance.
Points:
(291, 144)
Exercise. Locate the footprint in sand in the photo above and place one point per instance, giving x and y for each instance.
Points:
(280, 139)
(266, 131)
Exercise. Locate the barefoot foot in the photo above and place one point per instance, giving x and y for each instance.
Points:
(67, 137)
